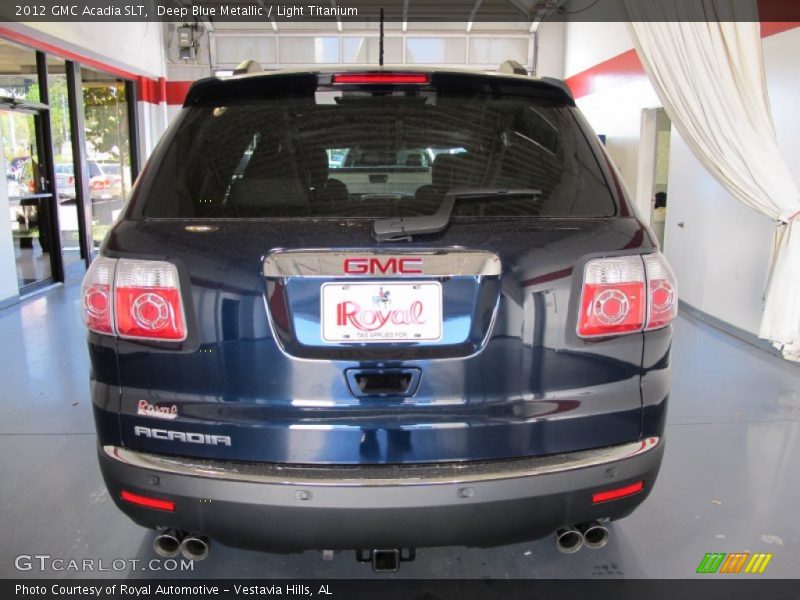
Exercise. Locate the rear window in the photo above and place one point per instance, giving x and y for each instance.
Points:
(356, 154)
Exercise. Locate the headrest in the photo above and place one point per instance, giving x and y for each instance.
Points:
(276, 162)
(377, 159)
(268, 158)
(316, 165)
(414, 160)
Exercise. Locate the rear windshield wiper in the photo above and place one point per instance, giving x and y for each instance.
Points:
(395, 228)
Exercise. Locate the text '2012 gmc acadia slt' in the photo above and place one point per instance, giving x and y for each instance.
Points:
(378, 310)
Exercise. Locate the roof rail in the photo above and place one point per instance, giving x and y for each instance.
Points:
(248, 66)
(513, 67)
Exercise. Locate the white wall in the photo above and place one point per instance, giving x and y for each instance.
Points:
(588, 44)
(187, 70)
(720, 254)
(135, 47)
(550, 51)
(616, 111)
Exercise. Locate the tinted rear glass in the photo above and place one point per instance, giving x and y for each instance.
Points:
(340, 154)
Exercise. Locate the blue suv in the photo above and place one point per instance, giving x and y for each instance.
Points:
(291, 351)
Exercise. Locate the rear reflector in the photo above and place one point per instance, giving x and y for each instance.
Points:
(616, 494)
(381, 78)
(147, 502)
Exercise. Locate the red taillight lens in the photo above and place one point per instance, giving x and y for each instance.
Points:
(381, 78)
(617, 493)
(70, 179)
(625, 294)
(662, 293)
(147, 501)
(148, 301)
(613, 297)
(138, 299)
(96, 294)
(101, 183)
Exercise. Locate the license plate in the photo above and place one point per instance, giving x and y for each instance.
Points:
(405, 311)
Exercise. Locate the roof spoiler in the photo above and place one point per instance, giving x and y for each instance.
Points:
(559, 83)
(514, 67)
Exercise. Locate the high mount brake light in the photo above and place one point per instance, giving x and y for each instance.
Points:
(137, 299)
(381, 78)
(626, 294)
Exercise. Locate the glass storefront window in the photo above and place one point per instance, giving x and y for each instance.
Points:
(27, 201)
(107, 148)
(38, 138)
(18, 78)
(64, 162)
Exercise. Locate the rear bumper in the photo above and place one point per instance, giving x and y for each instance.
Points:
(288, 509)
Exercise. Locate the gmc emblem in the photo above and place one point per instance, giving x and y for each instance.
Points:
(407, 265)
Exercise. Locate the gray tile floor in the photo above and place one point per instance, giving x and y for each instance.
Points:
(730, 479)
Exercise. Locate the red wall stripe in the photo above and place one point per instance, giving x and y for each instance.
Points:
(615, 71)
(768, 29)
(150, 90)
(176, 91)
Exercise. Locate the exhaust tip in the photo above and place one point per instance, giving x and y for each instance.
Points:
(569, 540)
(195, 547)
(167, 543)
(595, 534)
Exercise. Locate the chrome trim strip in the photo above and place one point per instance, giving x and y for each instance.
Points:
(446, 262)
(376, 476)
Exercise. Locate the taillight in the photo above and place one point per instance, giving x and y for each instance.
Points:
(613, 297)
(381, 78)
(96, 294)
(148, 301)
(138, 299)
(626, 294)
(662, 293)
(70, 179)
(101, 183)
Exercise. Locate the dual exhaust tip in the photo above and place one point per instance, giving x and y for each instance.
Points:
(570, 539)
(169, 543)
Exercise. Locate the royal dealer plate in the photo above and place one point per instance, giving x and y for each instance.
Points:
(408, 311)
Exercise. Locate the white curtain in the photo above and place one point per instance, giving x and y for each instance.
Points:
(709, 76)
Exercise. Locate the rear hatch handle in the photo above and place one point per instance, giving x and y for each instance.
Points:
(398, 228)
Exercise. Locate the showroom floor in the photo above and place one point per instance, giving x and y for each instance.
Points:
(729, 482)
